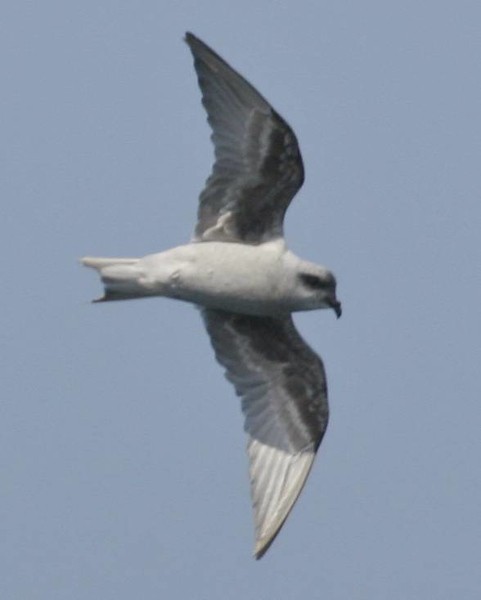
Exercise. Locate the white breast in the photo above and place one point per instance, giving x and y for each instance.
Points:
(250, 279)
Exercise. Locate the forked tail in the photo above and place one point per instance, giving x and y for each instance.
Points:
(120, 277)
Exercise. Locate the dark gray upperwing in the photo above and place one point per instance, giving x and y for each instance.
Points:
(258, 166)
(282, 384)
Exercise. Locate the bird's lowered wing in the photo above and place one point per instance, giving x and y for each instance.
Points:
(284, 400)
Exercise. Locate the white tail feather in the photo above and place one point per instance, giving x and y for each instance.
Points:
(99, 263)
(120, 277)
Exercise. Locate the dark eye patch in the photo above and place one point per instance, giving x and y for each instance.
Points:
(313, 281)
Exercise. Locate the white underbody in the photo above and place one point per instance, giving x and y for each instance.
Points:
(258, 280)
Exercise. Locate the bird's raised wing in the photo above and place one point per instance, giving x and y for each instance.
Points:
(283, 388)
(258, 167)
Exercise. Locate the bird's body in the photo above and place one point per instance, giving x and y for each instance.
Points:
(255, 280)
(239, 272)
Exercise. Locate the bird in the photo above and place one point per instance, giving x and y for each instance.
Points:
(239, 272)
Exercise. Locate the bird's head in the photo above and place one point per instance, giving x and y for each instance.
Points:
(319, 288)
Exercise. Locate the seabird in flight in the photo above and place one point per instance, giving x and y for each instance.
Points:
(239, 272)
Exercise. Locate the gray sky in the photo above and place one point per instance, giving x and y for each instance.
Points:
(121, 445)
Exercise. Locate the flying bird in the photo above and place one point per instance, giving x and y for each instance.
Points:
(239, 272)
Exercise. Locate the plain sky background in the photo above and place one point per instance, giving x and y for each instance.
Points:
(123, 472)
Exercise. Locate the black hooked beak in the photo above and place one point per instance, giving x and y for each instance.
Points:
(336, 306)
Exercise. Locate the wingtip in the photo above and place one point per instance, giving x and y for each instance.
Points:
(197, 46)
(190, 38)
(261, 547)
